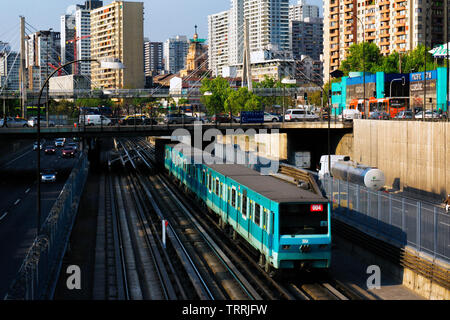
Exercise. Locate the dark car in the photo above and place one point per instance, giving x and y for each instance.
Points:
(380, 115)
(223, 118)
(136, 120)
(50, 149)
(178, 118)
(68, 152)
(408, 114)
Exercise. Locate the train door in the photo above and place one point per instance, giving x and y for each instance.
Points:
(223, 201)
(233, 207)
(264, 225)
(256, 231)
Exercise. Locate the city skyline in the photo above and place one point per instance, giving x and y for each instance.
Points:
(188, 14)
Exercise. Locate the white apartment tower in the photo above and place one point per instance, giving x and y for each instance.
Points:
(268, 27)
(301, 10)
(218, 49)
(268, 24)
(77, 24)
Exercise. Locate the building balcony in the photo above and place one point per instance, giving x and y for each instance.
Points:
(401, 24)
(400, 41)
(382, 3)
(348, 2)
(348, 9)
(370, 38)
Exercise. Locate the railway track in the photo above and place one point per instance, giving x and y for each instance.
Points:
(230, 249)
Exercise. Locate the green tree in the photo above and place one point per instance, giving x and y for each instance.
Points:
(414, 61)
(370, 61)
(219, 89)
(241, 100)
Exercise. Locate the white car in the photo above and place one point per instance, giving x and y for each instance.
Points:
(32, 122)
(428, 115)
(300, 115)
(350, 114)
(270, 117)
(48, 175)
(59, 142)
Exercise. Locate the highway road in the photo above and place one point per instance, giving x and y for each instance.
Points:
(18, 206)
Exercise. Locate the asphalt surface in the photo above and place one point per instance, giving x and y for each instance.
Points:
(18, 204)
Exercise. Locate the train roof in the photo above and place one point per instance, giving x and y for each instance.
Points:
(270, 187)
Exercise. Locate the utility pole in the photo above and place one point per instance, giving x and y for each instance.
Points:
(22, 75)
(247, 68)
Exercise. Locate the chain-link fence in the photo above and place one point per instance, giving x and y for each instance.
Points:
(405, 221)
(38, 275)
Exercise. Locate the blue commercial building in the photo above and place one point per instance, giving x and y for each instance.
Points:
(383, 85)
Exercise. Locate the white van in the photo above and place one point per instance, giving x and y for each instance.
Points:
(94, 120)
(323, 170)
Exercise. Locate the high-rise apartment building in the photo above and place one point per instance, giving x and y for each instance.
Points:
(301, 10)
(117, 32)
(175, 52)
(153, 58)
(393, 25)
(9, 70)
(42, 49)
(307, 38)
(268, 24)
(218, 30)
(236, 32)
(77, 24)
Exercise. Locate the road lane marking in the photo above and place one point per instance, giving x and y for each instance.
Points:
(17, 201)
(7, 164)
(4, 215)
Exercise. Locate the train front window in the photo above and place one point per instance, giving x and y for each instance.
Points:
(298, 219)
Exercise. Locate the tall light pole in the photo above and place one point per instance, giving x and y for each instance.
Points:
(114, 65)
(364, 66)
(286, 81)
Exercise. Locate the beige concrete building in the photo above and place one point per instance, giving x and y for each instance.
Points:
(393, 25)
(117, 31)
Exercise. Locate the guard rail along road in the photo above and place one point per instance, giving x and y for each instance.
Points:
(38, 275)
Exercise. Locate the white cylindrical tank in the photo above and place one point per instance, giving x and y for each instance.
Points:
(370, 177)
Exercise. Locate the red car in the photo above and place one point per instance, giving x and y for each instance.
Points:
(68, 152)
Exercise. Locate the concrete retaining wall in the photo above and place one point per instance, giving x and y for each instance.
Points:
(414, 155)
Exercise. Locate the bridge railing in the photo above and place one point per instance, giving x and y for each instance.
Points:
(39, 272)
(404, 221)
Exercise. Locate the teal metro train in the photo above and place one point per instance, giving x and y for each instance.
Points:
(288, 226)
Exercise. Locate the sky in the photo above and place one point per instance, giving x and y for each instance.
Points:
(162, 18)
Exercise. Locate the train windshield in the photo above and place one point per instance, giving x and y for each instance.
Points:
(297, 219)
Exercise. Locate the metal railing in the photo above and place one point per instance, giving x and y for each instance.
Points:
(39, 272)
(404, 221)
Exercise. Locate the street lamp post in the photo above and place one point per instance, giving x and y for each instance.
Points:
(364, 66)
(103, 64)
(286, 81)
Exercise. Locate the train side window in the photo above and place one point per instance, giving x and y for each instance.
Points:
(244, 206)
(221, 190)
(233, 197)
(203, 177)
(217, 187)
(257, 214)
(250, 209)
